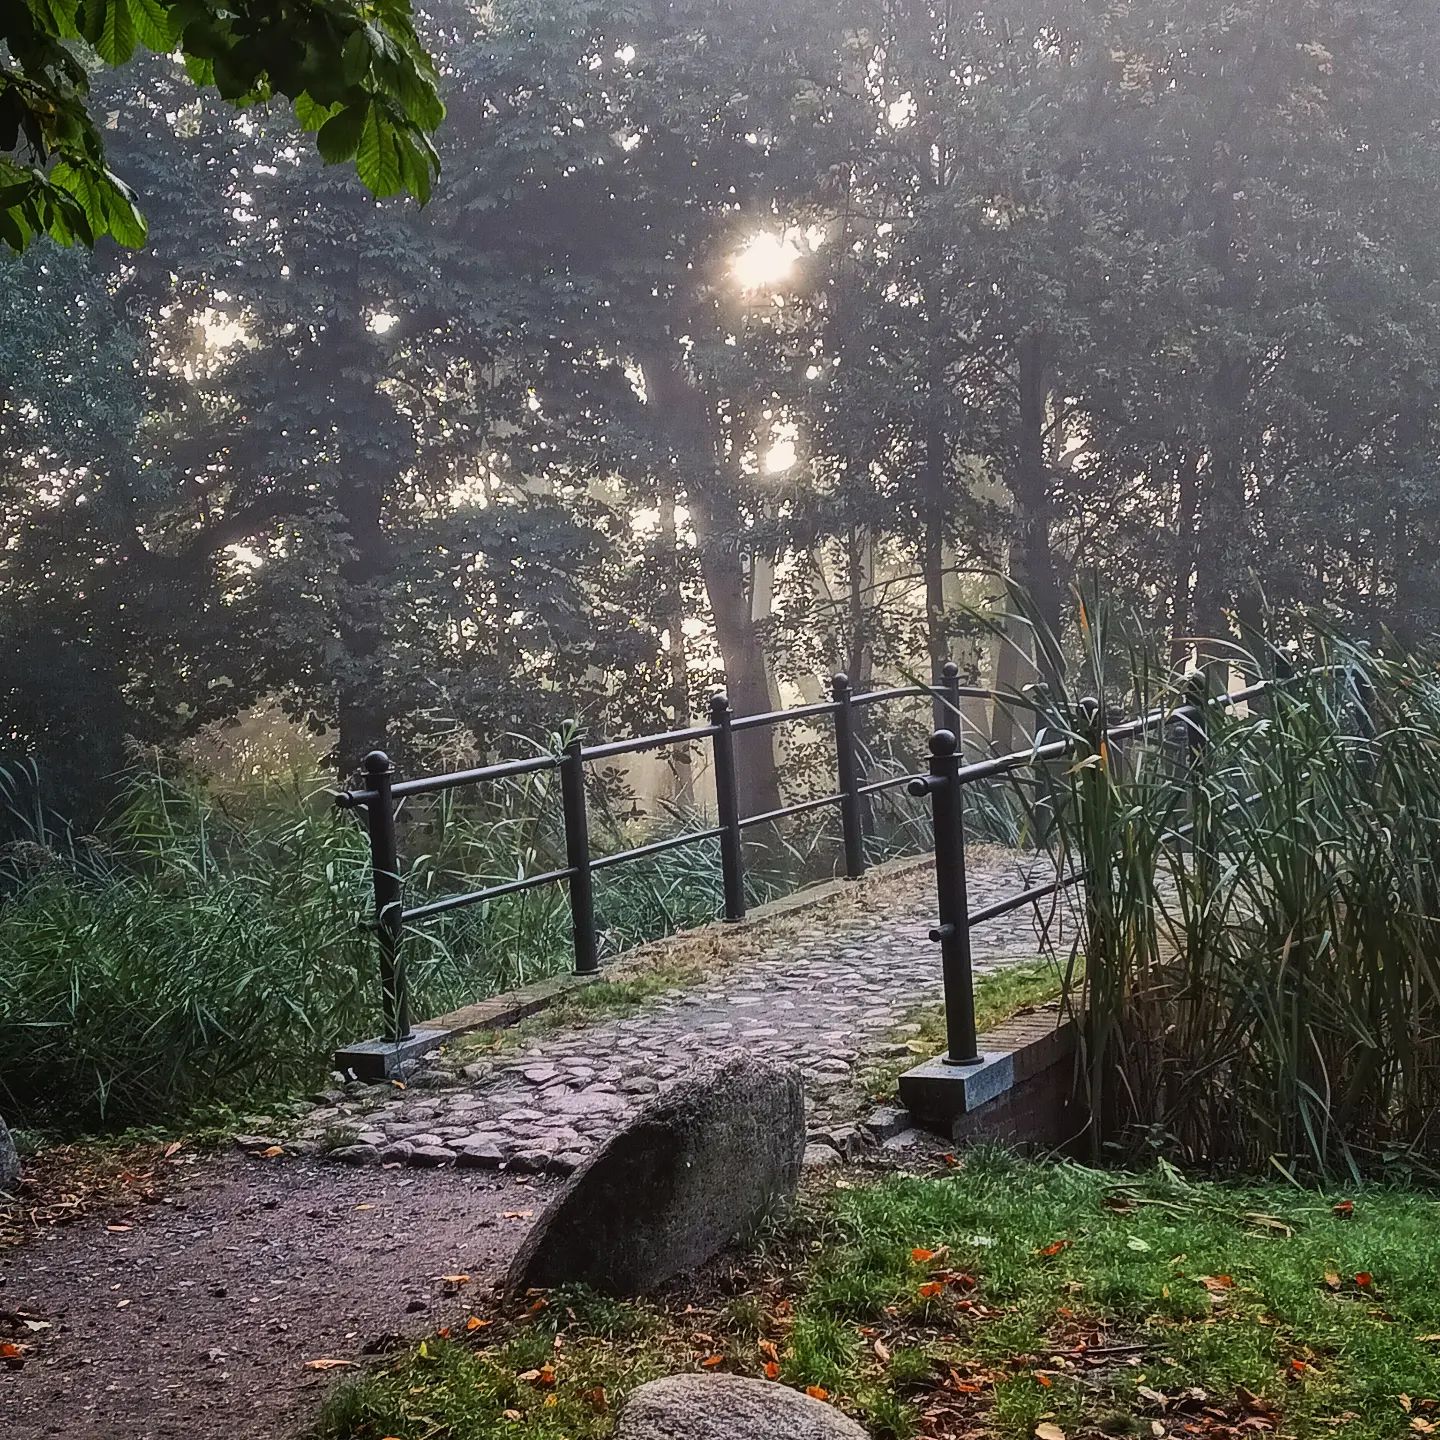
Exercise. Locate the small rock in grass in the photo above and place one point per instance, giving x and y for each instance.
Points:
(729, 1407)
(888, 1120)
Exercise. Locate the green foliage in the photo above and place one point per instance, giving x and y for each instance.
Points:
(1259, 929)
(200, 948)
(361, 67)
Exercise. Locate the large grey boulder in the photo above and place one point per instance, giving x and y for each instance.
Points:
(693, 1171)
(9, 1161)
(728, 1407)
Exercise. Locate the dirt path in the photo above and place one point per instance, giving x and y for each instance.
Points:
(197, 1321)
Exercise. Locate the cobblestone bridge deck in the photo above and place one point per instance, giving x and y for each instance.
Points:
(831, 989)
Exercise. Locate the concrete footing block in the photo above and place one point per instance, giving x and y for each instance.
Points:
(381, 1059)
(1021, 1084)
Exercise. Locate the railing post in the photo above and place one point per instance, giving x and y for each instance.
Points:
(947, 811)
(947, 700)
(727, 806)
(385, 872)
(1362, 692)
(848, 773)
(577, 857)
(1197, 718)
(1046, 806)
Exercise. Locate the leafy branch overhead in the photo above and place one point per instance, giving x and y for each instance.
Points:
(355, 72)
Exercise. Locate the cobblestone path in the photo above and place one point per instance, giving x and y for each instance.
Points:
(830, 991)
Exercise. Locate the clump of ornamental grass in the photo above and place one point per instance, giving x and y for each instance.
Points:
(1261, 908)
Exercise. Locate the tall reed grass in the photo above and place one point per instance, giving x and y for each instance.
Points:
(203, 947)
(1261, 911)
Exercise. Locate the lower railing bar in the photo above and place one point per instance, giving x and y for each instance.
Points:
(799, 809)
(774, 717)
(513, 887)
(656, 847)
(646, 742)
(1041, 892)
(893, 783)
(985, 769)
(1024, 897)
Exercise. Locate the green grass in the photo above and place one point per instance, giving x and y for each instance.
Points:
(998, 997)
(1050, 1293)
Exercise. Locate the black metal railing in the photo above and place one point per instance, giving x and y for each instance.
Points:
(382, 791)
(945, 786)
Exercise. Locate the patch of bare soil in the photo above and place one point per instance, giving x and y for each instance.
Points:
(202, 1312)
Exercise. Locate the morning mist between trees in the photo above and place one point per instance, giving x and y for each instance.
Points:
(737, 343)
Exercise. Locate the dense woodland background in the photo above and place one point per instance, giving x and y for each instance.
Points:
(741, 341)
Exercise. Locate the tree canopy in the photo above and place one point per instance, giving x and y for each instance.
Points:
(738, 343)
(355, 75)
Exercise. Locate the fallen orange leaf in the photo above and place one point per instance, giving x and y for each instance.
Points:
(931, 1288)
(1053, 1248)
(711, 1361)
(772, 1370)
(476, 1323)
(817, 1392)
(1364, 1279)
(920, 1255)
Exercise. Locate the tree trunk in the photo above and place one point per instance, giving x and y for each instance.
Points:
(1184, 566)
(747, 681)
(361, 696)
(682, 414)
(672, 617)
(1220, 529)
(1032, 558)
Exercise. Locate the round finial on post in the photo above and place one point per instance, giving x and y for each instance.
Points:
(719, 704)
(950, 670)
(943, 742)
(377, 762)
(839, 684)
